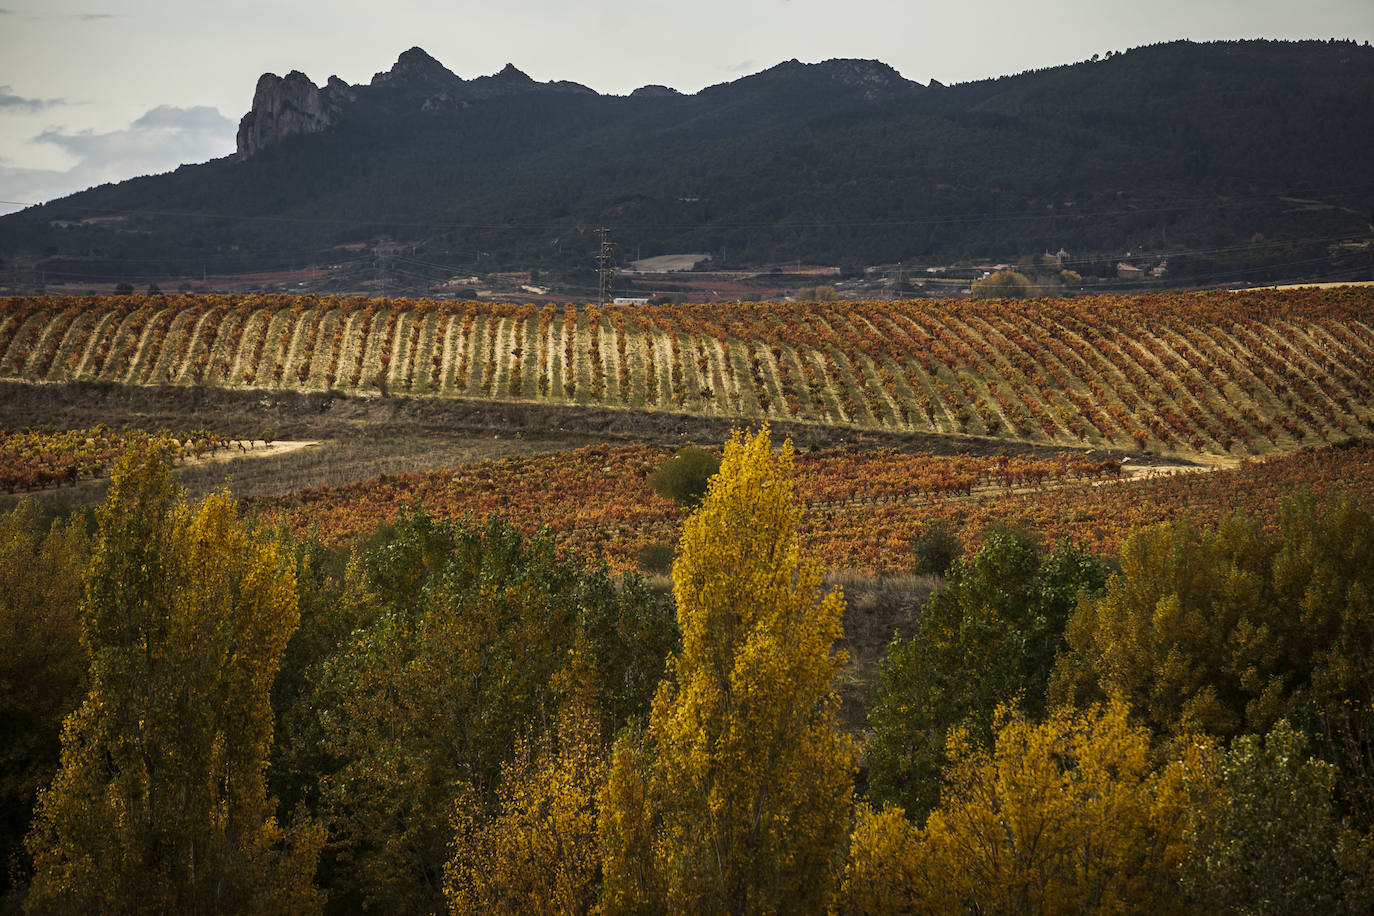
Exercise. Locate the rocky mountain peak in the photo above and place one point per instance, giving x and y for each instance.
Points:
(292, 105)
(284, 107)
(873, 80)
(416, 69)
(511, 73)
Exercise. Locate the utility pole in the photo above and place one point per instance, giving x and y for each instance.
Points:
(605, 267)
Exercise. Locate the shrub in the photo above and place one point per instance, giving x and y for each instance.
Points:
(683, 478)
(935, 549)
(655, 558)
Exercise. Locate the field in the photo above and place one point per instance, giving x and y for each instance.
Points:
(861, 510)
(1066, 416)
(1219, 374)
(1070, 417)
(1055, 414)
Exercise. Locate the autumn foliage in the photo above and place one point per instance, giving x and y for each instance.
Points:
(738, 799)
(160, 802)
(460, 714)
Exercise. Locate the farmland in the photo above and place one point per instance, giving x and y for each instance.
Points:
(529, 436)
(1219, 373)
(1064, 416)
(860, 510)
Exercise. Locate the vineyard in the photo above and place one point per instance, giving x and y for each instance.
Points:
(1223, 373)
(861, 510)
(35, 459)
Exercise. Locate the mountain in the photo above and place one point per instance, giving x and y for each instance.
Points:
(1246, 158)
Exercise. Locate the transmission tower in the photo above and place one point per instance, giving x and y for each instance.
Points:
(605, 267)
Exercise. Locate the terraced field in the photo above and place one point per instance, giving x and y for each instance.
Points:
(1209, 373)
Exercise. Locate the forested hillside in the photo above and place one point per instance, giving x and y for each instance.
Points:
(1240, 159)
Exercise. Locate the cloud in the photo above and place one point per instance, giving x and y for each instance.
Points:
(9, 102)
(20, 187)
(157, 142)
(161, 139)
(169, 117)
(92, 17)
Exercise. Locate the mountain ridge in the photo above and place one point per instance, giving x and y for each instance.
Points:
(1190, 151)
(293, 105)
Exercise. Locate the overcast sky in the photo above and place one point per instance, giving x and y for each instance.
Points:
(102, 90)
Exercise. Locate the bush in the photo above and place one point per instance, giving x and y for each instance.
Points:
(683, 478)
(816, 294)
(935, 549)
(656, 558)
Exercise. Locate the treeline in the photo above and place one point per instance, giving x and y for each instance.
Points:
(202, 715)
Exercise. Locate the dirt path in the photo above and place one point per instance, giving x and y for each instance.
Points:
(245, 448)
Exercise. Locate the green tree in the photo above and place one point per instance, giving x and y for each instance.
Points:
(684, 477)
(739, 794)
(160, 803)
(1227, 631)
(1263, 834)
(625, 634)
(461, 640)
(1323, 575)
(935, 549)
(299, 756)
(42, 668)
(1003, 284)
(990, 636)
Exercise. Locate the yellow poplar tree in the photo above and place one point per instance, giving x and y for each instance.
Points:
(160, 804)
(537, 852)
(1064, 816)
(740, 794)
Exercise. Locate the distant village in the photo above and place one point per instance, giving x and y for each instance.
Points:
(382, 268)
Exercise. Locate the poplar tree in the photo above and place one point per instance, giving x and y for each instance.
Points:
(160, 804)
(739, 794)
(42, 668)
(1061, 816)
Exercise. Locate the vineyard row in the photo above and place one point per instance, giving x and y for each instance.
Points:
(1239, 373)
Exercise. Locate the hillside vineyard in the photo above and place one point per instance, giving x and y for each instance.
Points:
(1235, 373)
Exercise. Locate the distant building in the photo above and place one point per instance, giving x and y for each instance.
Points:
(1160, 269)
(1126, 271)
